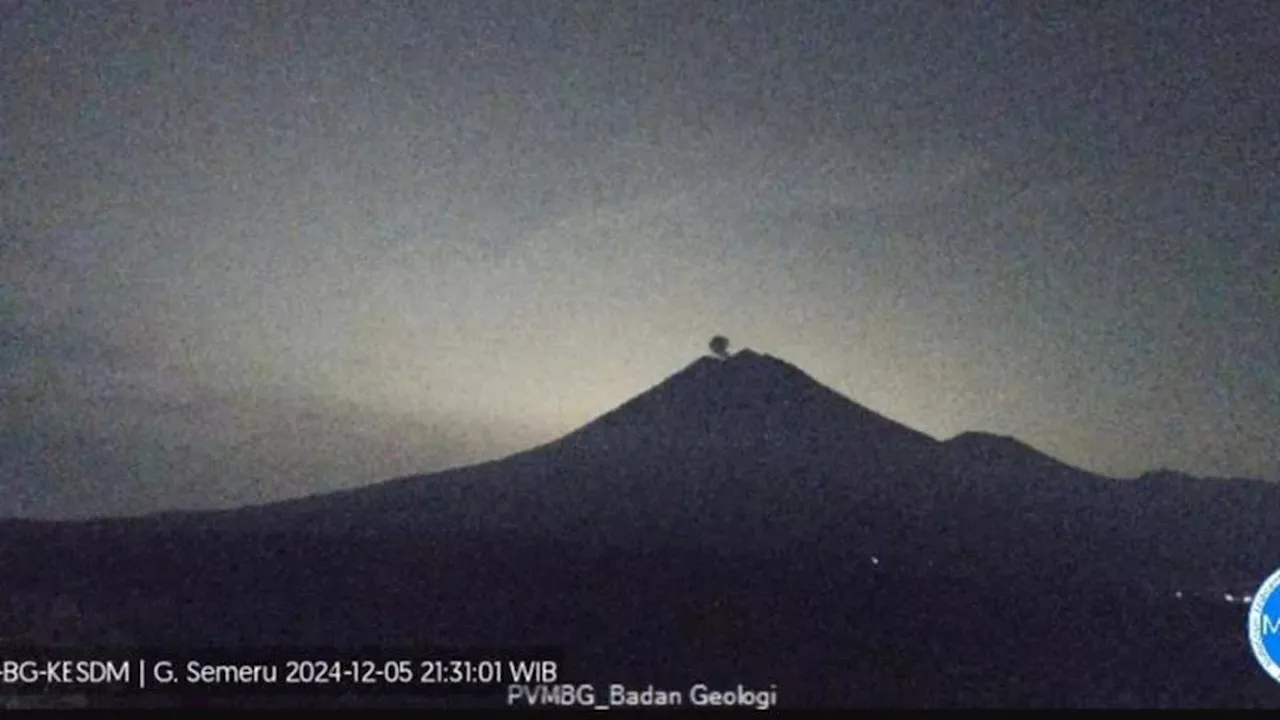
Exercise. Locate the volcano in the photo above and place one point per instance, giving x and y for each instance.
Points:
(738, 452)
(737, 523)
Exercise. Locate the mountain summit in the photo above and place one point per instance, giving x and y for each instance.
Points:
(746, 400)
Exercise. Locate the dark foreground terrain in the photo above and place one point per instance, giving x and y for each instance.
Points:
(825, 630)
(739, 524)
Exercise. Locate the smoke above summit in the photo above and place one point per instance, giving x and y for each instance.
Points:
(719, 346)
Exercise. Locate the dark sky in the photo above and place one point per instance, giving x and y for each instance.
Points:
(253, 250)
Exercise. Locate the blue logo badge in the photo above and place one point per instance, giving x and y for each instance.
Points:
(1264, 625)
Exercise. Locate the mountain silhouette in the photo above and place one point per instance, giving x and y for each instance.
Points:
(750, 442)
(739, 522)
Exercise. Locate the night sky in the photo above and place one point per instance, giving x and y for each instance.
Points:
(251, 250)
